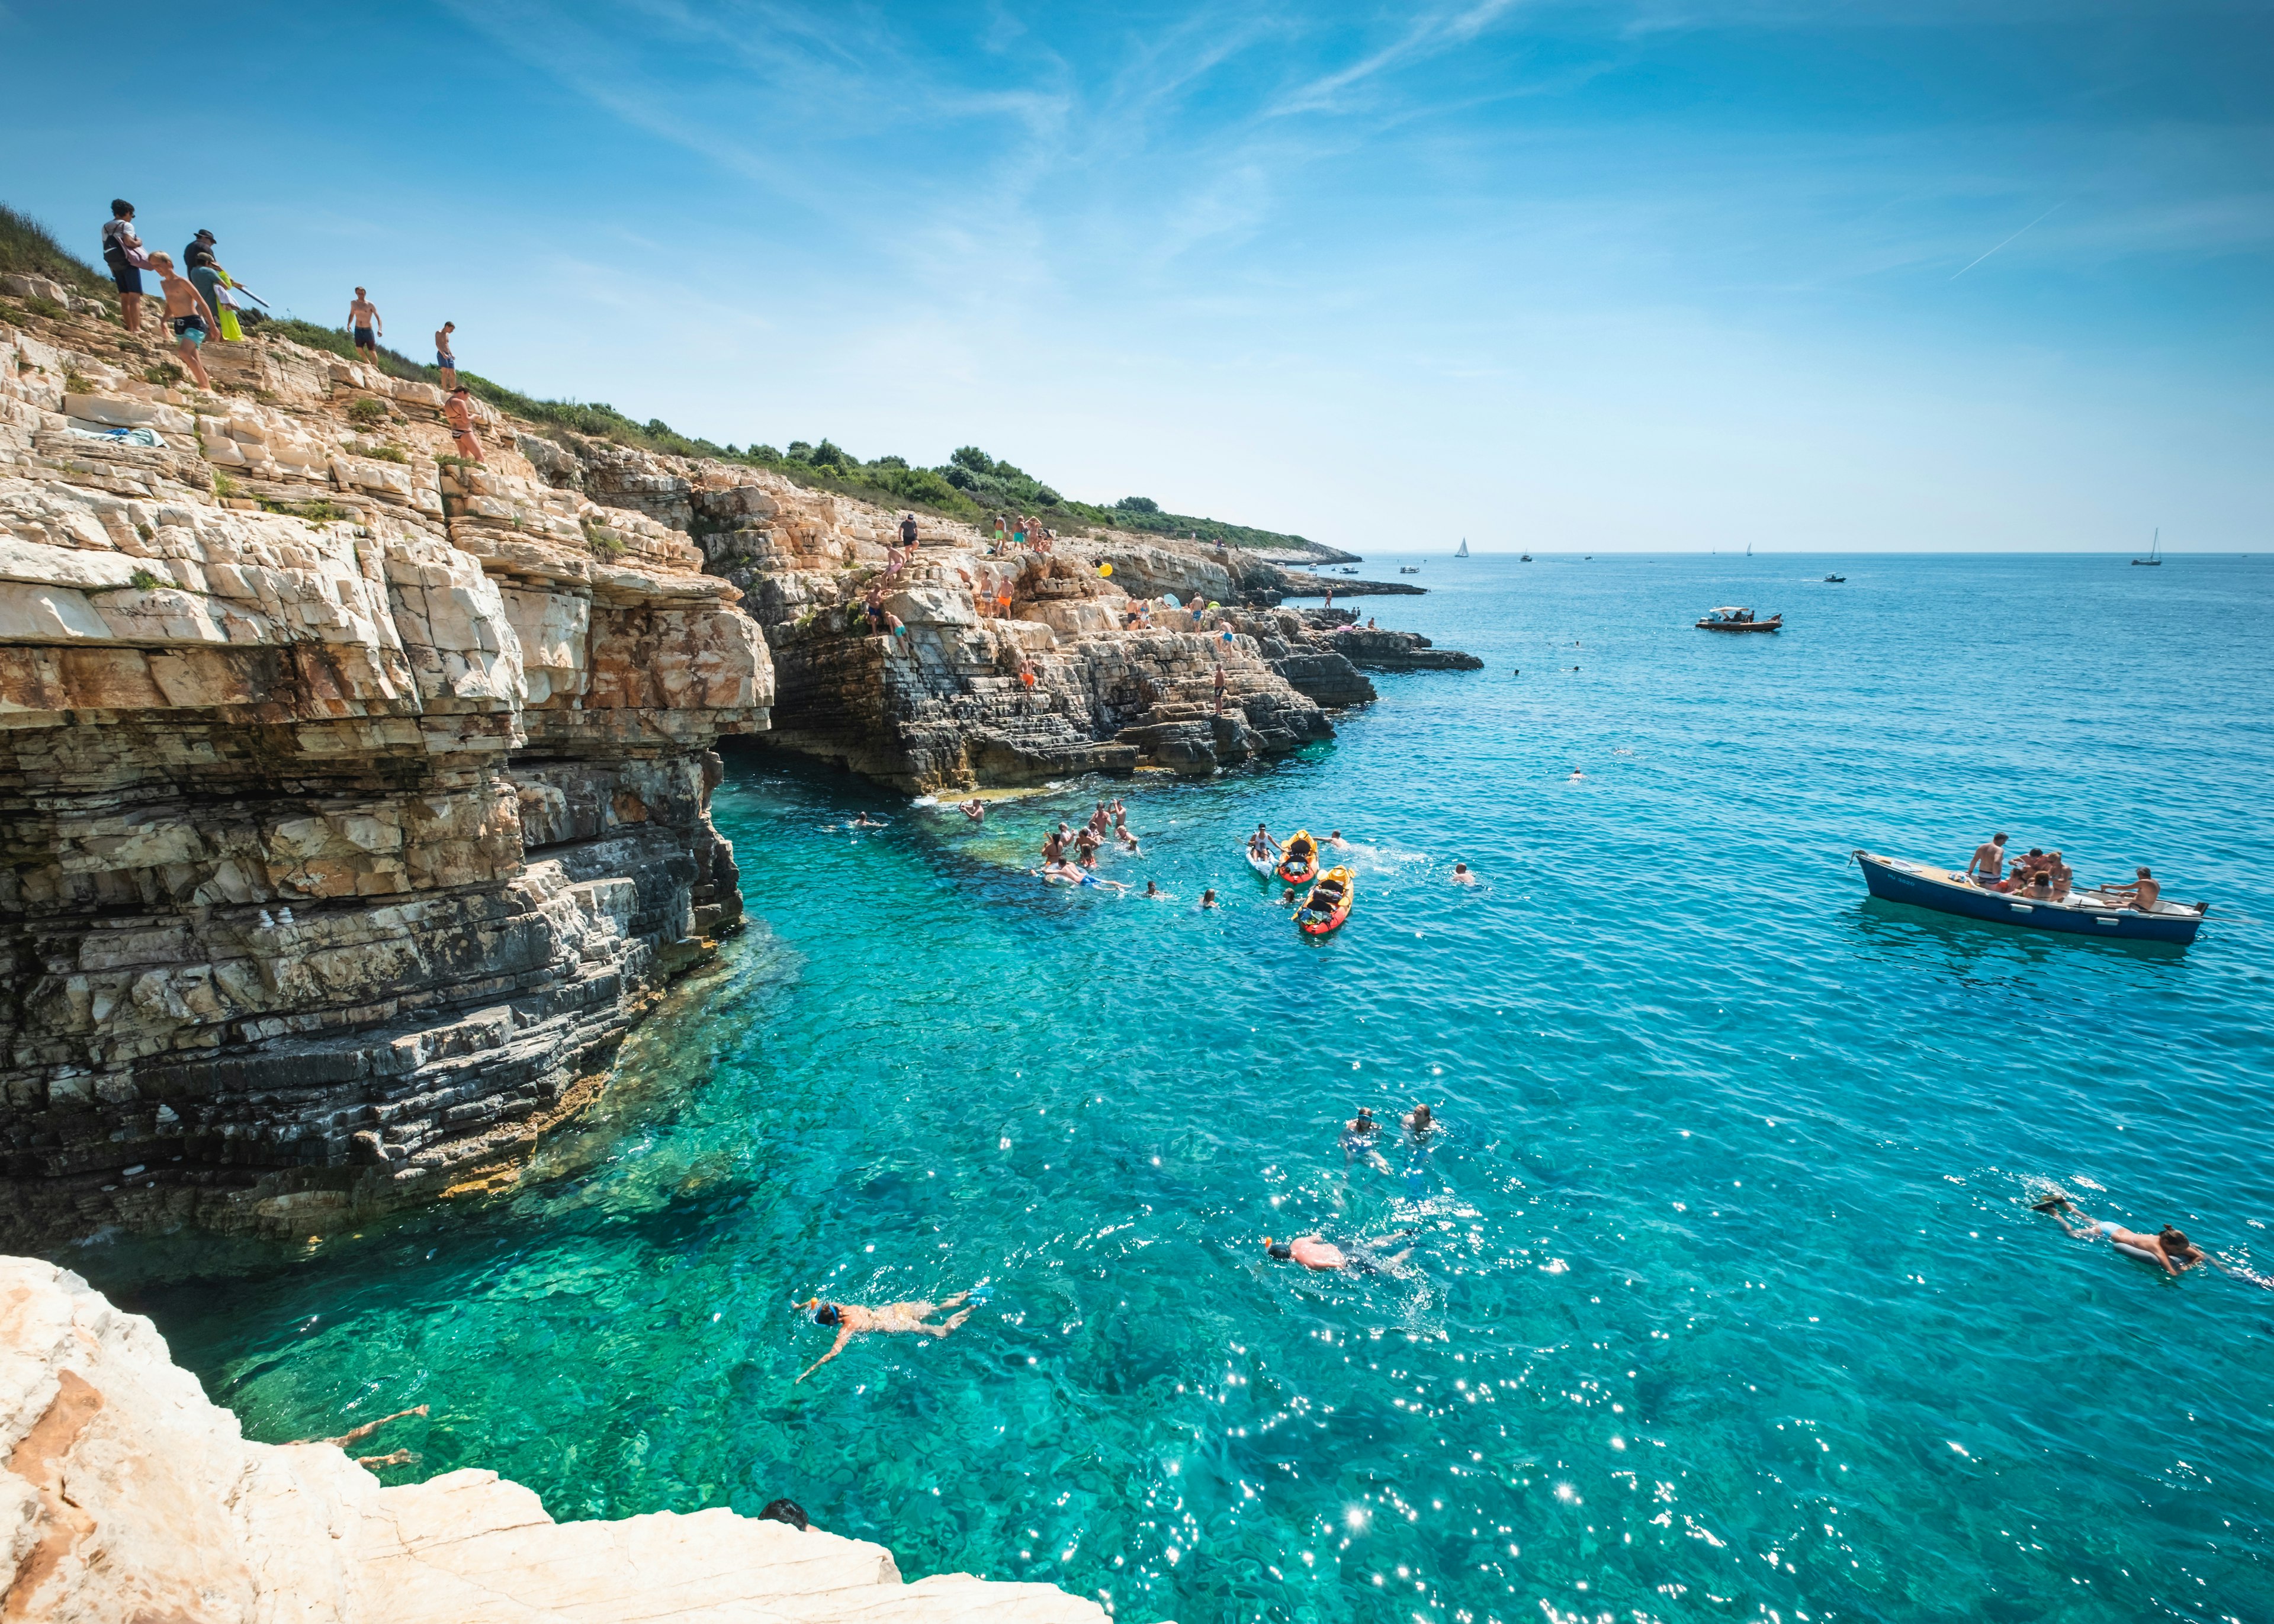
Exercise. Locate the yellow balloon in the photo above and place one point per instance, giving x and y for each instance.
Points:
(1105, 569)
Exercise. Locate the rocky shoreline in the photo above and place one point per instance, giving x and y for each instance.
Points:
(356, 796)
(126, 1495)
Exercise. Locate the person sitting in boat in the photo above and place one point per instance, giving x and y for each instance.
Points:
(1261, 843)
(2061, 873)
(2142, 893)
(2037, 885)
(1989, 861)
(2167, 1246)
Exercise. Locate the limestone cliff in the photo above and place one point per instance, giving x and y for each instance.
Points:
(354, 799)
(1121, 679)
(127, 1496)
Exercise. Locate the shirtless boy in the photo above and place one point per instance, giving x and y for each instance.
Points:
(187, 314)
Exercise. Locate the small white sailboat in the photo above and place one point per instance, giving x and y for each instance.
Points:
(1463, 552)
(2155, 549)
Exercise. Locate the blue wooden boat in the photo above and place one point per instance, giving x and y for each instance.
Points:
(2084, 913)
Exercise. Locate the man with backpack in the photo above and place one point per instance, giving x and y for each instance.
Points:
(122, 253)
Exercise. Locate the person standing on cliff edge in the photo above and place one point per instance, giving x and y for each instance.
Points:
(908, 532)
(363, 317)
(446, 361)
(122, 252)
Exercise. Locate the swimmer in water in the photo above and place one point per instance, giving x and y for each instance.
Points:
(2167, 1246)
(1335, 839)
(1153, 891)
(1421, 1124)
(1207, 898)
(862, 820)
(1360, 1137)
(853, 1320)
(1324, 1257)
(975, 810)
(1575, 776)
(1463, 875)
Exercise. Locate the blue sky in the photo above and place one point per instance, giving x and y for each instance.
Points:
(1658, 275)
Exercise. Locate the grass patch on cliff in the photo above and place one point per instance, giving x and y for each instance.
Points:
(970, 485)
(29, 249)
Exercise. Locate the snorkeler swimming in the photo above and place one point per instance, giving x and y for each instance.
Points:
(1324, 1257)
(2167, 1248)
(853, 1320)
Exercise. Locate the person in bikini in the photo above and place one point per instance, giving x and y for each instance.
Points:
(363, 317)
(189, 317)
(2167, 1246)
(852, 1321)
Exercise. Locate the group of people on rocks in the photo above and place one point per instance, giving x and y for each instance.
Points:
(202, 306)
(2042, 877)
(1016, 532)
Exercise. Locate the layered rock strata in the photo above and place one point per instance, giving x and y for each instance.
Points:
(353, 799)
(1121, 680)
(127, 1496)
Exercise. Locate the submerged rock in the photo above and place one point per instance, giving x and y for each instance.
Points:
(128, 1496)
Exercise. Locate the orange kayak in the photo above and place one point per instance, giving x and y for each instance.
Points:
(1329, 904)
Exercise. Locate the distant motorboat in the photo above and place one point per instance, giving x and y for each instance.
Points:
(1730, 618)
(2155, 549)
(1526, 559)
(1835, 578)
(1409, 569)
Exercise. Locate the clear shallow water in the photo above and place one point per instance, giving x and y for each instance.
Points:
(1724, 1301)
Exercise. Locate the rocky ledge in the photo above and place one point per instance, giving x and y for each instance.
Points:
(354, 799)
(1122, 678)
(127, 1496)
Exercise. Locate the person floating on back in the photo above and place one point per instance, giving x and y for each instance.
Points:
(362, 318)
(122, 252)
(188, 315)
(445, 360)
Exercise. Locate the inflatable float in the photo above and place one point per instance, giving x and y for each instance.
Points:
(1323, 911)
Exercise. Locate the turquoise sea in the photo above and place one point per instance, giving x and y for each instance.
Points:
(1724, 1301)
